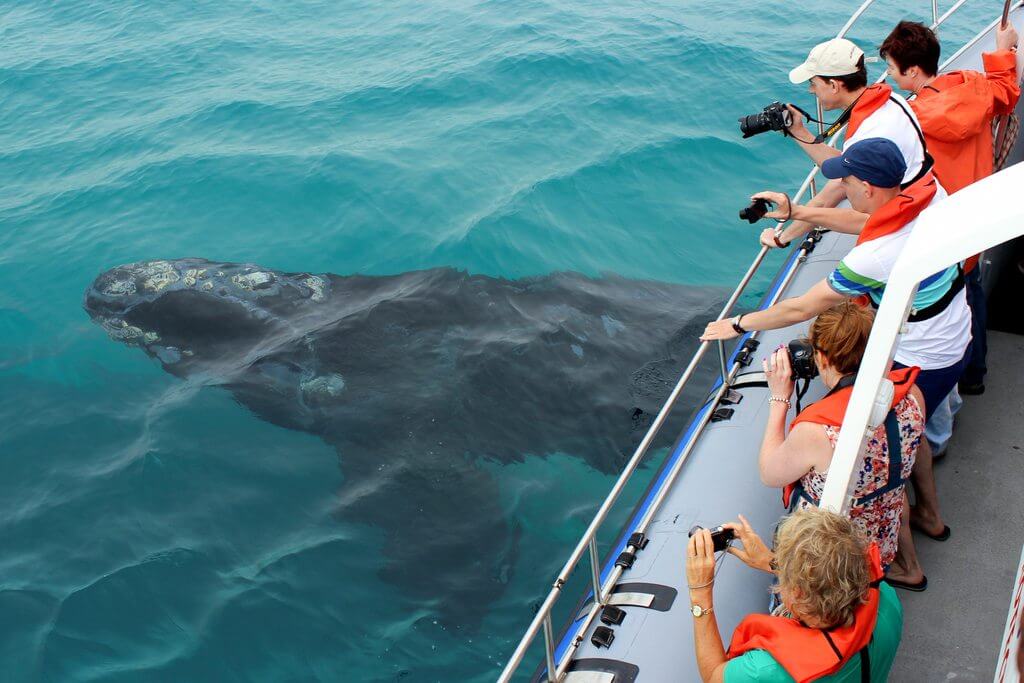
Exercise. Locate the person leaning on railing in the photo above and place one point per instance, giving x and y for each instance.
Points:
(799, 461)
(956, 110)
(939, 327)
(836, 621)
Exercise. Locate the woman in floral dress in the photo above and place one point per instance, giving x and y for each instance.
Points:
(800, 459)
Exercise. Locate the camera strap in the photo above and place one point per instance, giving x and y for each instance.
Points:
(832, 128)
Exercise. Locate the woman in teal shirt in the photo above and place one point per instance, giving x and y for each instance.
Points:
(837, 621)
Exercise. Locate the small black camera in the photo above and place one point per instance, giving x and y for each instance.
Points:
(720, 536)
(801, 358)
(773, 117)
(756, 211)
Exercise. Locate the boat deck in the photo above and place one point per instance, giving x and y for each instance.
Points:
(953, 630)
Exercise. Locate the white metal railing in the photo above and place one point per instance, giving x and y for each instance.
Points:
(993, 209)
(588, 542)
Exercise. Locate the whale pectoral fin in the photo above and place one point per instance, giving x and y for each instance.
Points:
(444, 533)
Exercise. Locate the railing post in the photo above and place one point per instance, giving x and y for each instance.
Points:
(935, 14)
(549, 649)
(721, 360)
(595, 571)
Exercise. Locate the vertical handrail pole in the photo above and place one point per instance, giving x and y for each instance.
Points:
(595, 571)
(549, 649)
(935, 14)
(721, 360)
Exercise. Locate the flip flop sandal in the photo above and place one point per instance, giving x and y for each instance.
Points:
(941, 536)
(918, 587)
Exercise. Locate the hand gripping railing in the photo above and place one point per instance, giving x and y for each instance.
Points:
(588, 542)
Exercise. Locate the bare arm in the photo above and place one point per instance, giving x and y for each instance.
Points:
(784, 459)
(846, 221)
(818, 152)
(707, 641)
(783, 314)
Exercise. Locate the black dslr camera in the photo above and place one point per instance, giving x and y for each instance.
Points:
(756, 211)
(773, 117)
(801, 358)
(720, 536)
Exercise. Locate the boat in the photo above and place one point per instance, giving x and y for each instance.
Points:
(640, 627)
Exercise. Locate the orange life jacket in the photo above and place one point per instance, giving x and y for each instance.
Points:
(811, 653)
(871, 100)
(900, 210)
(831, 410)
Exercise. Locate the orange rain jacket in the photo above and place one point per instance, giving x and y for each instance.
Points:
(956, 111)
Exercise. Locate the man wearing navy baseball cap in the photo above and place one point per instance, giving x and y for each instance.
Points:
(939, 326)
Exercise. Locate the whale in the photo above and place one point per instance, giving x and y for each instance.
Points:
(419, 380)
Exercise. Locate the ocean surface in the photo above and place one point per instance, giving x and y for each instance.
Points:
(154, 528)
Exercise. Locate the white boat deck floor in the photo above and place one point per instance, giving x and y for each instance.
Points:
(952, 631)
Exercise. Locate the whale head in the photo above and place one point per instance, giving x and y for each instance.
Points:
(190, 313)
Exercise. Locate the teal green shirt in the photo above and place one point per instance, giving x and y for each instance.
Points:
(758, 665)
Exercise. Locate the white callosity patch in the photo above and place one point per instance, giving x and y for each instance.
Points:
(324, 385)
(157, 275)
(316, 285)
(120, 287)
(119, 329)
(193, 275)
(253, 281)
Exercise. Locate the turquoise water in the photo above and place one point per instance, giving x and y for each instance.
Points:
(157, 530)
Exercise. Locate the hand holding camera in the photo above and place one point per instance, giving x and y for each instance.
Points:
(762, 205)
(752, 551)
(779, 373)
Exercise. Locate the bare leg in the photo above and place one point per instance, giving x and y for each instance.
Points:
(925, 514)
(905, 566)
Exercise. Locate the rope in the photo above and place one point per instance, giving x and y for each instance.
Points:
(1005, 130)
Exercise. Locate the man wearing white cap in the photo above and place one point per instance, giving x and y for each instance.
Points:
(838, 78)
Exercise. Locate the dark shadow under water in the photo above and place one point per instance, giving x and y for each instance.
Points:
(415, 378)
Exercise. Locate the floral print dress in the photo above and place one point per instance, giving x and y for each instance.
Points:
(878, 517)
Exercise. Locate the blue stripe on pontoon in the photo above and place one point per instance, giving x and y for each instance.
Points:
(653, 491)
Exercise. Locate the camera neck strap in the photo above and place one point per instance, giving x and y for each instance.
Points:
(844, 381)
(831, 128)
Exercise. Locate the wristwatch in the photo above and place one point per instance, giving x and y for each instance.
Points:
(699, 611)
(736, 325)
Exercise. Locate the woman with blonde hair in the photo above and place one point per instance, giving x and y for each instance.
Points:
(837, 621)
(799, 461)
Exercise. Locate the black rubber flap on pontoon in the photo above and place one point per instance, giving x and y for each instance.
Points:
(620, 672)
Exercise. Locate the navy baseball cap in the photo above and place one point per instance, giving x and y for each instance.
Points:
(874, 160)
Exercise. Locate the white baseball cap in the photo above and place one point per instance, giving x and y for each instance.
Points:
(836, 57)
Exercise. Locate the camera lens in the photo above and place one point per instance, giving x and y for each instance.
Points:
(755, 124)
(773, 117)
